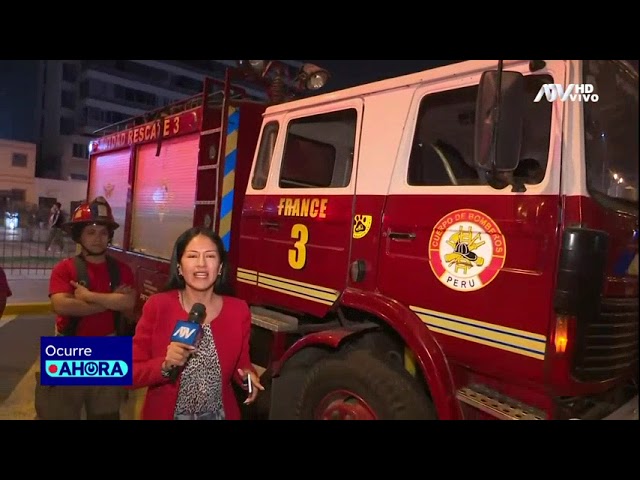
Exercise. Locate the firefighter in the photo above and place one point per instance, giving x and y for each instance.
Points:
(90, 293)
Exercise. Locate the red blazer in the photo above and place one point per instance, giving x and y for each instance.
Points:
(159, 315)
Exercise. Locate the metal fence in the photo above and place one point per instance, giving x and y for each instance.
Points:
(32, 249)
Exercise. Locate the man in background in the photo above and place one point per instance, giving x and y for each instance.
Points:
(56, 219)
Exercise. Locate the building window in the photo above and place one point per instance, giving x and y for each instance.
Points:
(97, 116)
(67, 99)
(69, 72)
(134, 96)
(188, 83)
(92, 88)
(18, 195)
(19, 160)
(80, 150)
(66, 126)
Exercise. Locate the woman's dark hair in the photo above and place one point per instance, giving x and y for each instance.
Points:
(221, 285)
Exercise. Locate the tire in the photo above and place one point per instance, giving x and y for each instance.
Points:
(359, 386)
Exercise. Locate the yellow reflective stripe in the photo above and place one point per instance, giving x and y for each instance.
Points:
(497, 336)
(288, 286)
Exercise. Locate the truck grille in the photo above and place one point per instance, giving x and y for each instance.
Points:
(607, 345)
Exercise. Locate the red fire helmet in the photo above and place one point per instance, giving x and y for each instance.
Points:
(98, 211)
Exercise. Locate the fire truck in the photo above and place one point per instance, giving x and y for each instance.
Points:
(457, 243)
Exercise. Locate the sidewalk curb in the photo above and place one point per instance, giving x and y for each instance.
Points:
(33, 308)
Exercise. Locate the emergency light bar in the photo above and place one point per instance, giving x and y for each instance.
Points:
(309, 77)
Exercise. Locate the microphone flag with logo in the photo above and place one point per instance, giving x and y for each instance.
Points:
(189, 332)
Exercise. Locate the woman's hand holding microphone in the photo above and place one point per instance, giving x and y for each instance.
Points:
(177, 355)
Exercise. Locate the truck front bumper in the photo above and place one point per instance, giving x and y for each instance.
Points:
(628, 411)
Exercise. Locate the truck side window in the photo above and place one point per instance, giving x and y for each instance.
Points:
(318, 151)
(265, 154)
(442, 150)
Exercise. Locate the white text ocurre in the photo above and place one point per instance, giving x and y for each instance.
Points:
(52, 351)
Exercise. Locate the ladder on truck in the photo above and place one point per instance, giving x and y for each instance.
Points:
(220, 93)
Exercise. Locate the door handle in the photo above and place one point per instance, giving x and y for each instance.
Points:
(402, 235)
(270, 224)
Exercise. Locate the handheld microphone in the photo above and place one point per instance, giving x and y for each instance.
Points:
(188, 332)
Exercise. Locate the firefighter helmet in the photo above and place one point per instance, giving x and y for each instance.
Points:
(96, 212)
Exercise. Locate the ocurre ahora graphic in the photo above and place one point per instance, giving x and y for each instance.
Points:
(86, 361)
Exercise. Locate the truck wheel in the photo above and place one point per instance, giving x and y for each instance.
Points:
(359, 386)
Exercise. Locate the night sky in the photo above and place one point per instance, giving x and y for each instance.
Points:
(18, 99)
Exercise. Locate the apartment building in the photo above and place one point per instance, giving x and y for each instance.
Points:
(78, 97)
(17, 173)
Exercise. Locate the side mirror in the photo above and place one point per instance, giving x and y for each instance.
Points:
(499, 118)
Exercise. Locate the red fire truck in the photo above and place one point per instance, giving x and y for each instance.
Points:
(458, 243)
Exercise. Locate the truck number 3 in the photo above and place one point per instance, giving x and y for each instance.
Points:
(298, 254)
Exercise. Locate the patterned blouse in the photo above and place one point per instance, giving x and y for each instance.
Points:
(200, 395)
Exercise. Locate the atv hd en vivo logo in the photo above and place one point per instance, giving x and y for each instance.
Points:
(574, 92)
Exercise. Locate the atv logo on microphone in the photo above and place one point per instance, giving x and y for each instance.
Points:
(183, 333)
(86, 360)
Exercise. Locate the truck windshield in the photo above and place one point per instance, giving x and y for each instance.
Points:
(611, 133)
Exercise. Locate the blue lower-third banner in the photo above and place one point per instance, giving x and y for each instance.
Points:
(86, 360)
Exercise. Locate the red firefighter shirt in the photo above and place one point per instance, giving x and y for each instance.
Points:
(4, 285)
(99, 324)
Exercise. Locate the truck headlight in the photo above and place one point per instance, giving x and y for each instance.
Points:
(314, 77)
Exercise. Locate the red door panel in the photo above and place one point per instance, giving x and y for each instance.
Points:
(476, 264)
(307, 216)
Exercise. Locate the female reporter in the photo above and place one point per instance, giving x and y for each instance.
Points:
(202, 389)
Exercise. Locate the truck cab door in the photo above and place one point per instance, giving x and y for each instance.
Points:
(481, 260)
(306, 219)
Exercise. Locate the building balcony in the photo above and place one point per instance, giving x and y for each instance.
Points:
(141, 81)
(117, 102)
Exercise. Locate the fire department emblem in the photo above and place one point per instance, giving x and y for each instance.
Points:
(467, 250)
(108, 189)
(361, 225)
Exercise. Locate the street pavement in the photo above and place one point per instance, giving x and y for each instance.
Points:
(25, 320)
(20, 347)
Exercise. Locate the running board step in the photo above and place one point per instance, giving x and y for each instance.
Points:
(500, 406)
(273, 321)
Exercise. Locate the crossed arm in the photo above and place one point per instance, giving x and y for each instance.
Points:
(84, 302)
(122, 300)
(70, 299)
